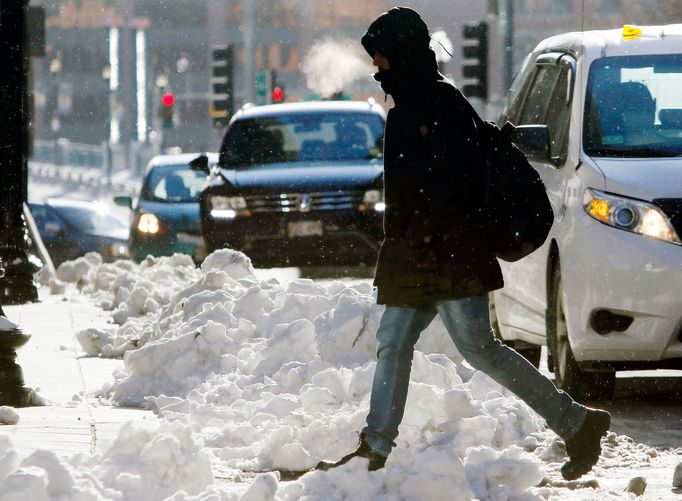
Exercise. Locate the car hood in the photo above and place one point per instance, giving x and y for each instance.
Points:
(643, 178)
(314, 176)
(114, 234)
(178, 216)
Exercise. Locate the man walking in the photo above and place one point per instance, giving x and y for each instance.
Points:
(435, 259)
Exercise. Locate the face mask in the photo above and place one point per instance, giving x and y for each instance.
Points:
(387, 80)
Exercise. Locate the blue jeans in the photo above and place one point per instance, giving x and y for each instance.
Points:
(468, 324)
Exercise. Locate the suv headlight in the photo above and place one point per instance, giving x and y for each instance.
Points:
(222, 203)
(630, 215)
(227, 207)
(373, 199)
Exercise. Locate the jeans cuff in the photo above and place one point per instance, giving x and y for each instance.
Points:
(378, 443)
(579, 413)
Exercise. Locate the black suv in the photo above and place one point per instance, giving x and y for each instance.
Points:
(299, 184)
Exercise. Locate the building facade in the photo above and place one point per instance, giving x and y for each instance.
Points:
(109, 62)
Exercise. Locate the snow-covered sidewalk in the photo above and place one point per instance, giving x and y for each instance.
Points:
(245, 375)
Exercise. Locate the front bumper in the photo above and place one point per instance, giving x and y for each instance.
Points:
(349, 237)
(142, 245)
(629, 275)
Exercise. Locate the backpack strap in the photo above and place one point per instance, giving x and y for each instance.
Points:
(478, 121)
(483, 142)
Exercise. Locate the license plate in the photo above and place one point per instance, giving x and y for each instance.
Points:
(304, 228)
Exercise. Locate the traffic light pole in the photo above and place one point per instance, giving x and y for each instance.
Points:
(17, 286)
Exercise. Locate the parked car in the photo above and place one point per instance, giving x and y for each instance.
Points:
(600, 116)
(166, 212)
(299, 184)
(70, 228)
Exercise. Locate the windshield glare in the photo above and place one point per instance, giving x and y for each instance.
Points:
(89, 219)
(633, 107)
(303, 137)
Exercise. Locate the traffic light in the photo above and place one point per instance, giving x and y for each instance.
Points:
(167, 110)
(475, 68)
(277, 94)
(276, 89)
(222, 72)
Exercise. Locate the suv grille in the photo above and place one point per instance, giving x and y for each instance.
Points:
(673, 209)
(305, 202)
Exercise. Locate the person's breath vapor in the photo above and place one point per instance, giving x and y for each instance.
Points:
(331, 65)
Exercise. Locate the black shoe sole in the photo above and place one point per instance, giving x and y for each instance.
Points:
(574, 469)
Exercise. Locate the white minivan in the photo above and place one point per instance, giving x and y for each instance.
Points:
(600, 118)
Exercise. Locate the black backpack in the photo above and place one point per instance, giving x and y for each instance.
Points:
(517, 212)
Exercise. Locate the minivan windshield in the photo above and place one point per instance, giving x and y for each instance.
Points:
(303, 137)
(633, 107)
(173, 183)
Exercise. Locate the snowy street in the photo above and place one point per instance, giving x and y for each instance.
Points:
(341, 251)
(228, 373)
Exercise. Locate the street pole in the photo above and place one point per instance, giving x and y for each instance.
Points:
(507, 28)
(16, 265)
(126, 95)
(248, 34)
(17, 286)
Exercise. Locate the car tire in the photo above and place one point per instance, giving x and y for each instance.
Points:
(529, 352)
(568, 376)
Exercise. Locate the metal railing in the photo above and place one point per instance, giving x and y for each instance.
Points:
(104, 158)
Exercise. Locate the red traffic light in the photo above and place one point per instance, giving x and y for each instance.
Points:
(168, 99)
(277, 94)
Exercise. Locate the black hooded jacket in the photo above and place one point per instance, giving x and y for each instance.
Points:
(435, 246)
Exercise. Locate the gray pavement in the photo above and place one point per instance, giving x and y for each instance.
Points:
(74, 420)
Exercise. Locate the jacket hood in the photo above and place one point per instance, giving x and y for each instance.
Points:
(401, 35)
(397, 34)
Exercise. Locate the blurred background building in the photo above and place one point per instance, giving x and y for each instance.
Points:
(135, 75)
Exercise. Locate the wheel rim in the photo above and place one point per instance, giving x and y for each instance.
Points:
(561, 337)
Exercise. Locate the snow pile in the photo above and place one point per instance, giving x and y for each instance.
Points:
(278, 376)
(133, 293)
(8, 415)
(141, 463)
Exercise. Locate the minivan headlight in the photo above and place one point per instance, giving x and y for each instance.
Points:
(630, 215)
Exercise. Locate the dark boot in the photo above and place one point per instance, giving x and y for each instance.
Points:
(376, 460)
(584, 447)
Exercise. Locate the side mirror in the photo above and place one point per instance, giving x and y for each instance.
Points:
(533, 140)
(124, 200)
(200, 164)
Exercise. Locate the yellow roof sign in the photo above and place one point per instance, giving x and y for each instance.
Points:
(631, 32)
